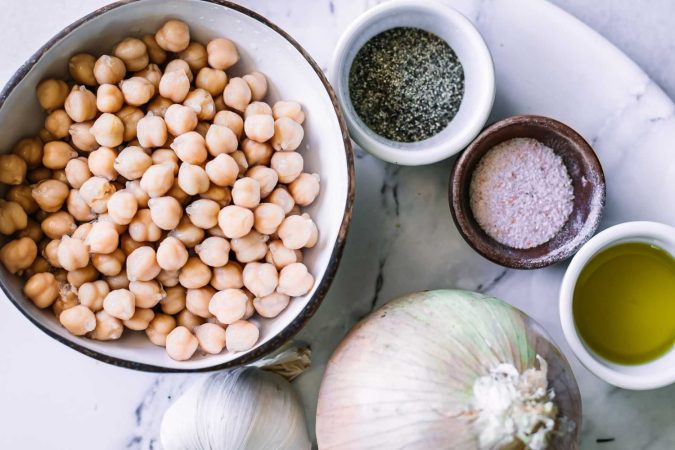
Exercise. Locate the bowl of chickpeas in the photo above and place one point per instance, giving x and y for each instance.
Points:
(176, 186)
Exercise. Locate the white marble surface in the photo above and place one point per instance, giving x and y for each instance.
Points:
(402, 237)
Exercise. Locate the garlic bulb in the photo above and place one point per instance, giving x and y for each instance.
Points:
(246, 408)
(448, 370)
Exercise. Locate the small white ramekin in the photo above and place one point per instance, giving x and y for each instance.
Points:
(651, 375)
(468, 44)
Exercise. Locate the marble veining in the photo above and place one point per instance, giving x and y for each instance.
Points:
(402, 236)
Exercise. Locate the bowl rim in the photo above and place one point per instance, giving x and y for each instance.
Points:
(458, 184)
(338, 247)
(637, 231)
(431, 152)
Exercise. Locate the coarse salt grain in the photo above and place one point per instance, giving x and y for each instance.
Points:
(521, 194)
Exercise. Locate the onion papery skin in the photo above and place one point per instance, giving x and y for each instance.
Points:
(402, 378)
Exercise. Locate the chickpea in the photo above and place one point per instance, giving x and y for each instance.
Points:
(231, 120)
(257, 153)
(260, 278)
(81, 136)
(222, 53)
(120, 303)
(305, 188)
(220, 139)
(271, 305)
(188, 320)
(12, 169)
(268, 217)
(132, 162)
(159, 327)
(77, 207)
(201, 102)
(261, 108)
(246, 192)
(296, 231)
(77, 172)
(281, 197)
(67, 296)
(128, 244)
(213, 251)
(203, 213)
(134, 188)
(267, 179)
(137, 91)
(288, 165)
(165, 155)
(195, 55)
(252, 247)
(36, 175)
(178, 65)
(22, 195)
(82, 231)
(119, 281)
(192, 179)
(12, 217)
(174, 300)
(122, 207)
(174, 85)
(147, 294)
(78, 277)
(40, 265)
(91, 294)
(250, 309)
(211, 80)
(211, 337)
(259, 127)
(143, 229)
(157, 179)
(78, 320)
(151, 131)
(197, 301)
(96, 191)
(220, 103)
(228, 305)
(215, 231)
(133, 52)
(32, 230)
(102, 238)
(180, 119)
(173, 36)
(181, 344)
(57, 154)
(52, 93)
(165, 212)
(109, 70)
(130, 116)
(109, 98)
(102, 162)
(142, 264)
(222, 170)
(42, 289)
(140, 320)
(159, 105)
(189, 234)
(288, 134)
(50, 252)
(237, 94)
(30, 150)
(228, 276)
(258, 84)
(202, 128)
(109, 264)
(295, 280)
(108, 130)
(81, 68)
(80, 104)
(194, 273)
(58, 123)
(155, 53)
(290, 109)
(72, 253)
(220, 195)
(48, 194)
(281, 256)
(190, 147)
(107, 327)
(60, 175)
(241, 336)
(235, 221)
(168, 278)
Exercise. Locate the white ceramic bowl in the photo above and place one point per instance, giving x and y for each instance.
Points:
(292, 74)
(654, 374)
(468, 44)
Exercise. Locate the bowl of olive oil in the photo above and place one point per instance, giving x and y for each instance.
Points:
(617, 305)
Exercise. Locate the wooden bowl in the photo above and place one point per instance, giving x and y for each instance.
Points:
(588, 183)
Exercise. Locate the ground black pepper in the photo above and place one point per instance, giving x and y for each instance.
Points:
(406, 84)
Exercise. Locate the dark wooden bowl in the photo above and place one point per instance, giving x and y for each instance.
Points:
(588, 182)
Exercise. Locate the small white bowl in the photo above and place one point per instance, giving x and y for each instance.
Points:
(651, 375)
(468, 44)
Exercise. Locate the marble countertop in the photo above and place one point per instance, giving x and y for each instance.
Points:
(54, 398)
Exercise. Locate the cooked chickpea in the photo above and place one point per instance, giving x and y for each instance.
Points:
(171, 254)
(109, 70)
(50, 252)
(219, 139)
(213, 251)
(228, 276)
(122, 207)
(189, 234)
(235, 221)
(258, 84)
(268, 217)
(60, 175)
(260, 278)
(257, 153)
(211, 337)
(271, 305)
(201, 102)
(58, 123)
(108, 130)
(143, 229)
(222, 53)
(22, 195)
(180, 119)
(159, 327)
(82, 231)
(222, 170)
(72, 253)
(165, 155)
(296, 231)
(260, 108)
(147, 294)
(168, 278)
(165, 212)
(211, 80)
(288, 134)
(140, 320)
(80, 104)
(77, 207)
(33, 231)
(102, 162)
(157, 179)
(48, 194)
(30, 150)
(266, 177)
(197, 301)
(288, 166)
(67, 296)
(192, 179)
(190, 147)
(81, 137)
(96, 191)
(57, 154)
(152, 73)
(132, 162)
(128, 244)
(194, 273)
(159, 105)
(246, 192)
(305, 188)
(151, 131)
(156, 54)
(77, 172)
(91, 294)
(215, 231)
(237, 94)
(290, 109)
(81, 68)
(252, 247)
(174, 301)
(281, 256)
(241, 336)
(173, 36)
(295, 280)
(228, 305)
(220, 195)
(181, 344)
(12, 217)
(12, 169)
(259, 127)
(52, 93)
(120, 303)
(130, 115)
(42, 289)
(188, 320)
(102, 238)
(119, 281)
(231, 120)
(134, 188)
(281, 197)
(142, 264)
(77, 278)
(78, 320)
(250, 309)
(109, 264)
(195, 55)
(36, 175)
(109, 98)
(137, 91)
(108, 328)
(133, 52)
(174, 85)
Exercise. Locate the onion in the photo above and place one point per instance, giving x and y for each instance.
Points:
(448, 370)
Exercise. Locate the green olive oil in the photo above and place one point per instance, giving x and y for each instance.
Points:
(624, 303)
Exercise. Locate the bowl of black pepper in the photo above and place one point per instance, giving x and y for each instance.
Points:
(415, 80)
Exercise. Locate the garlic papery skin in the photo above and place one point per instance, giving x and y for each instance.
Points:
(510, 407)
(242, 409)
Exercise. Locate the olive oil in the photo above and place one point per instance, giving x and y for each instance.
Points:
(624, 303)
